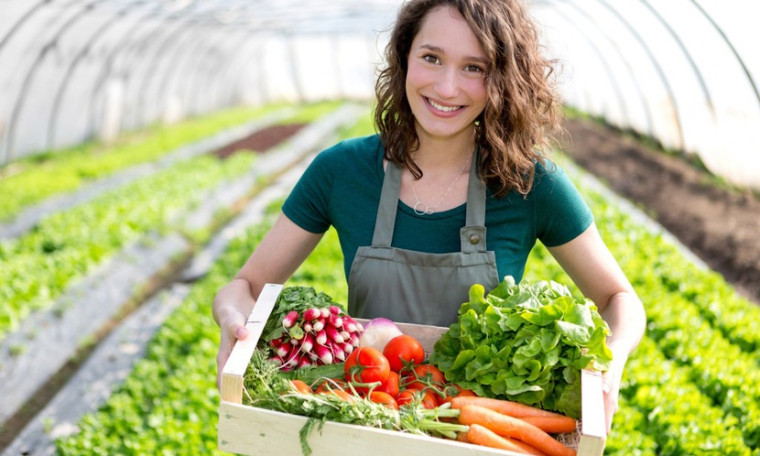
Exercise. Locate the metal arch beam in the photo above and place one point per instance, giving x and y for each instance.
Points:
(20, 23)
(660, 72)
(184, 24)
(730, 45)
(83, 51)
(4, 138)
(19, 103)
(117, 51)
(194, 58)
(686, 53)
(600, 57)
(201, 66)
(184, 46)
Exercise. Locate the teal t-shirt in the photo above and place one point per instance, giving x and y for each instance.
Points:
(342, 186)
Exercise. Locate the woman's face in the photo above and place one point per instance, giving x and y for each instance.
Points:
(445, 81)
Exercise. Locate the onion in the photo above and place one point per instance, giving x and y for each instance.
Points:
(377, 332)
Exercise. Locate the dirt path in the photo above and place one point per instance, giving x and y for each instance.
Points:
(719, 225)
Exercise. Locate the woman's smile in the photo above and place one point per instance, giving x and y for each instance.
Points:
(445, 81)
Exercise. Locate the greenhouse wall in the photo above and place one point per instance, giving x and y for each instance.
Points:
(682, 72)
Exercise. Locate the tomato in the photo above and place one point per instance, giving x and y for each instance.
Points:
(366, 365)
(383, 398)
(390, 385)
(424, 375)
(405, 397)
(452, 391)
(403, 349)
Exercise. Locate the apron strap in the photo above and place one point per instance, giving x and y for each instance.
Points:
(472, 236)
(386, 210)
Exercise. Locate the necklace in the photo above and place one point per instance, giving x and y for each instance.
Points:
(421, 208)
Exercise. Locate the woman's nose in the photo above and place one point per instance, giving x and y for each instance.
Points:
(447, 85)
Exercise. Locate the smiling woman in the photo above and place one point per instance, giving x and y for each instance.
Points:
(454, 190)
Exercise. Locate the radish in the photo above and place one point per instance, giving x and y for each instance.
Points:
(307, 328)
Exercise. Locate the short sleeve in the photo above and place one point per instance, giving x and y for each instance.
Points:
(561, 212)
(307, 203)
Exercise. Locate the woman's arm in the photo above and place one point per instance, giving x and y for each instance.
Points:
(274, 260)
(593, 269)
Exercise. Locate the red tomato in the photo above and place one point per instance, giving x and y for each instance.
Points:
(452, 391)
(366, 365)
(383, 398)
(422, 376)
(403, 349)
(405, 397)
(390, 385)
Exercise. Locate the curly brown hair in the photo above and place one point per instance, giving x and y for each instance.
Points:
(522, 105)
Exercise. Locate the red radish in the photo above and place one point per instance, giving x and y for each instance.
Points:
(307, 343)
(318, 325)
(290, 319)
(311, 314)
(324, 354)
(333, 334)
(335, 310)
(321, 337)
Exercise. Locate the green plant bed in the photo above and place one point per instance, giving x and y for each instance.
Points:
(29, 181)
(671, 400)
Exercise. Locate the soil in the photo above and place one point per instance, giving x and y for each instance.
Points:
(260, 141)
(716, 222)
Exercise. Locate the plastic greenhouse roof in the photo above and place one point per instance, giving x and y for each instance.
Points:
(685, 72)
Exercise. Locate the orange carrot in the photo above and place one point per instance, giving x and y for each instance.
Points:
(552, 424)
(508, 426)
(481, 435)
(301, 386)
(504, 406)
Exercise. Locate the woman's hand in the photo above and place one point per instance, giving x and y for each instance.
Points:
(232, 325)
(232, 305)
(611, 380)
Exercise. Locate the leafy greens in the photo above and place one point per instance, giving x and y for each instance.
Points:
(525, 342)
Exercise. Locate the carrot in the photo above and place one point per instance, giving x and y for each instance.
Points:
(508, 426)
(504, 406)
(481, 435)
(301, 386)
(552, 424)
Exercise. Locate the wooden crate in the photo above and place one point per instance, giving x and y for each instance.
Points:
(256, 431)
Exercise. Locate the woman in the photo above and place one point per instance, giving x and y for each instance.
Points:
(453, 191)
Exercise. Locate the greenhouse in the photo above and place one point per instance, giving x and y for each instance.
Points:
(149, 149)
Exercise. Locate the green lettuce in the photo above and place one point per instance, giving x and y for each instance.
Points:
(526, 343)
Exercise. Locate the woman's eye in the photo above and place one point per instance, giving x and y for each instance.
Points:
(474, 69)
(430, 58)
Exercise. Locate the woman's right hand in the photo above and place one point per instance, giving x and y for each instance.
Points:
(232, 329)
(232, 305)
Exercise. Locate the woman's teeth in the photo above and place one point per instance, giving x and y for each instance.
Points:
(442, 108)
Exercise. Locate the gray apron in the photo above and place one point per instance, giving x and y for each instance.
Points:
(418, 287)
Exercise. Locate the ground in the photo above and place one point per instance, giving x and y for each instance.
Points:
(716, 222)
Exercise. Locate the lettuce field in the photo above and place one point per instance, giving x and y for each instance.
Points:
(123, 247)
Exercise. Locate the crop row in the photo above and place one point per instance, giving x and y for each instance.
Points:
(39, 265)
(34, 179)
(719, 377)
(680, 395)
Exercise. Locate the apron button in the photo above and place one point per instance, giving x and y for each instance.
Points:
(474, 239)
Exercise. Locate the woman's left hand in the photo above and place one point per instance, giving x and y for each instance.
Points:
(611, 380)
